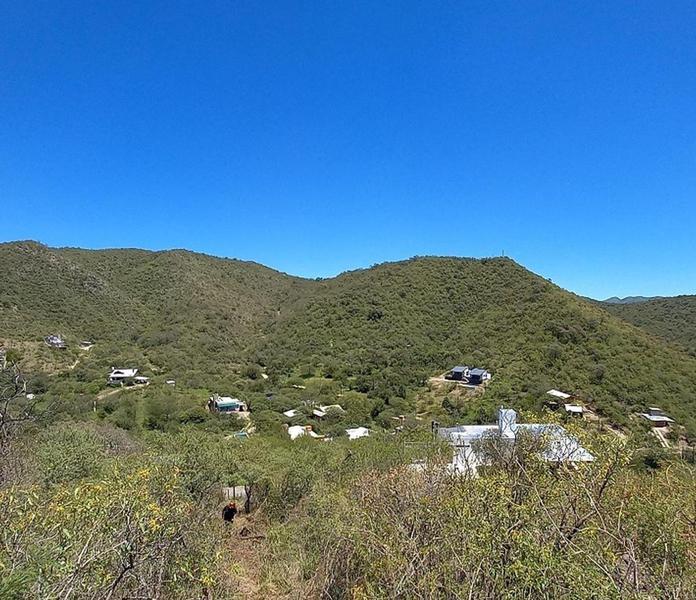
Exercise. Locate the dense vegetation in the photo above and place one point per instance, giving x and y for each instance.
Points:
(114, 492)
(382, 331)
(673, 319)
(88, 510)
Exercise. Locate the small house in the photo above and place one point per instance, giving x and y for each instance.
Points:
(299, 431)
(292, 413)
(559, 395)
(226, 405)
(122, 376)
(170, 382)
(357, 432)
(657, 417)
(141, 380)
(478, 376)
(458, 373)
(318, 413)
(574, 410)
(55, 341)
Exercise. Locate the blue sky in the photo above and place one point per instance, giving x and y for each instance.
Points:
(320, 137)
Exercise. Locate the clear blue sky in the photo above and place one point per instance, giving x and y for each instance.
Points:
(320, 137)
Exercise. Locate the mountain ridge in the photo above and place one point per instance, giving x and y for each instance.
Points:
(383, 330)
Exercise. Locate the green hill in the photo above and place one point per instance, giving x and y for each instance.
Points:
(394, 325)
(382, 331)
(673, 319)
(187, 311)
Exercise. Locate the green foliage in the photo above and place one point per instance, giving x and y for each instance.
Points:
(217, 325)
(68, 453)
(521, 531)
(673, 319)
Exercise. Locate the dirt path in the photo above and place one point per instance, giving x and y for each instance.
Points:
(106, 393)
(244, 550)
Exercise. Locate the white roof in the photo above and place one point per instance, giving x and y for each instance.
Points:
(296, 431)
(299, 430)
(558, 394)
(121, 373)
(318, 413)
(574, 408)
(662, 417)
(291, 413)
(328, 407)
(357, 432)
(561, 446)
(462, 435)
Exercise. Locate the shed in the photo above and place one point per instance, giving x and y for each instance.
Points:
(575, 410)
(55, 341)
(657, 417)
(357, 432)
(299, 431)
(225, 404)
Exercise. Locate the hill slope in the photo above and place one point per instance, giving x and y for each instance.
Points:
(187, 310)
(398, 323)
(382, 330)
(673, 319)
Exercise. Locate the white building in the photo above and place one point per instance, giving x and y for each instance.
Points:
(574, 410)
(297, 431)
(560, 446)
(122, 375)
(357, 432)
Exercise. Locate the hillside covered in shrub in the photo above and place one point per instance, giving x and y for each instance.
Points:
(673, 319)
(380, 331)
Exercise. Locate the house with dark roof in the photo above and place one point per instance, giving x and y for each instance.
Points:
(459, 373)
(478, 376)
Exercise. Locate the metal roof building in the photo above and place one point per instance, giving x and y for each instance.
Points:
(560, 445)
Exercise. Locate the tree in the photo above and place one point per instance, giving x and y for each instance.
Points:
(16, 410)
